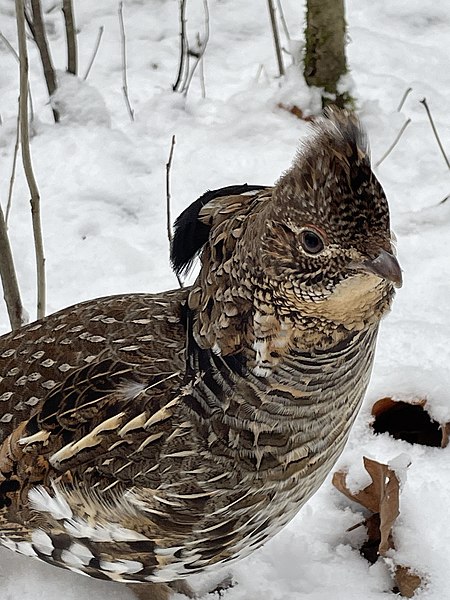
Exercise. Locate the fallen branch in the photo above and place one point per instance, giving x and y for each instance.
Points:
(124, 63)
(71, 37)
(441, 147)
(94, 54)
(276, 37)
(36, 25)
(26, 159)
(394, 143)
(168, 212)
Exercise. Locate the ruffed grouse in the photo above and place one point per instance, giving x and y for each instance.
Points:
(146, 437)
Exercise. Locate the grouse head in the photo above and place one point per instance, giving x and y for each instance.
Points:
(314, 251)
(327, 230)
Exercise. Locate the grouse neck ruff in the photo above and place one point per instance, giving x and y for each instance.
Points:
(146, 437)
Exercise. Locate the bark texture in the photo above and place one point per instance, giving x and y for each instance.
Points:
(325, 61)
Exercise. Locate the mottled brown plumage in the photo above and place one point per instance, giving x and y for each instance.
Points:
(148, 437)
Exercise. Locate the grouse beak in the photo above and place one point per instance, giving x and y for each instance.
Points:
(386, 266)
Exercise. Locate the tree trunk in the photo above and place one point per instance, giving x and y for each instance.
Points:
(325, 61)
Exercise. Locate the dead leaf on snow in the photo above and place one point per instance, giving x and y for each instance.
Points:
(381, 498)
(406, 581)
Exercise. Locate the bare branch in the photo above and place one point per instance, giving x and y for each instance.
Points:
(71, 37)
(11, 292)
(283, 21)
(16, 56)
(94, 54)
(26, 159)
(199, 52)
(13, 171)
(276, 37)
(169, 218)
(38, 32)
(202, 71)
(124, 63)
(441, 147)
(184, 48)
(394, 143)
(402, 101)
(9, 46)
(261, 71)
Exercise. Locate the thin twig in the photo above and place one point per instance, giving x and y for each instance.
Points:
(94, 54)
(13, 171)
(283, 21)
(261, 70)
(124, 62)
(394, 143)
(71, 37)
(168, 215)
(276, 37)
(9, 45)
(202, 71)
(16, 56)
(199, 53)
(26, 159)
(441, 147)
(183, 48)
(38, 32)
(11, 292)
(402, 101)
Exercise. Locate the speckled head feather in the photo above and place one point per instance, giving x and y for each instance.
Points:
(331, 180)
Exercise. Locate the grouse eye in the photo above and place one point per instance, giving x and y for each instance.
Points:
(311, 242)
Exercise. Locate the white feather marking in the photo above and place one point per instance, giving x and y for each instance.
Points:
(135, 423)
(122, 566)
(131, 389)
(7, 543)
(77, 555)
(110, 532)
(42, 541)
(56, 505)
(82, 552)
(40, 436)
(25, 548)
(72, 560)
(149, 440)
(91, 439)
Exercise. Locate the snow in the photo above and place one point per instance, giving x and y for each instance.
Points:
(102, 183)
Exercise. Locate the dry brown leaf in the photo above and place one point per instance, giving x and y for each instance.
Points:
(406, 581)
(380, 497)
(387, 403)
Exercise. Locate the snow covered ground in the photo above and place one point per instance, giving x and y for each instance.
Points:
(102, 182)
